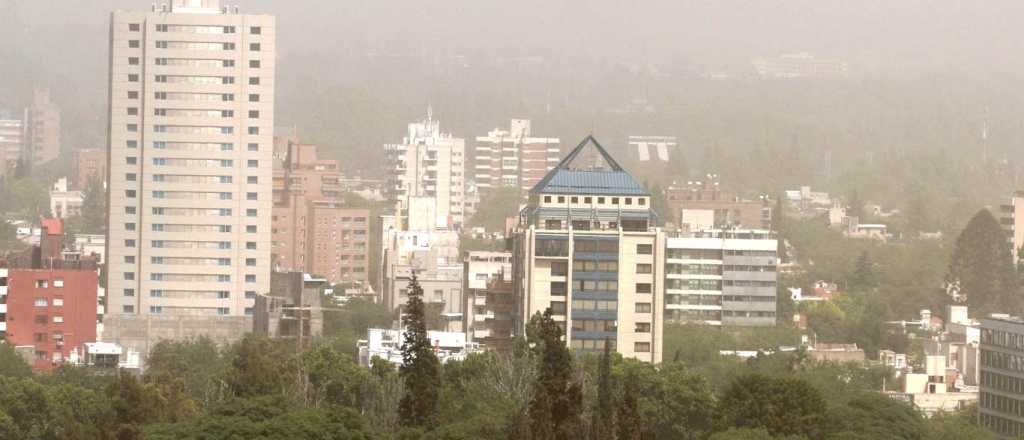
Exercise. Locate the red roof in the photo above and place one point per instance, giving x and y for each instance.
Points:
(53, 226)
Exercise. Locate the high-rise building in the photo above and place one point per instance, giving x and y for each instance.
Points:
(42, 125)
(1002, 378)
(489, 297)
(588, 248)
(512, 158)
(313, 231)
(721, 277)
(1011, 216)
(89, 164)
(430, 164)
(190, 145)
(12, 142)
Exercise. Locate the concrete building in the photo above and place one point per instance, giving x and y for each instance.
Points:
(313, 231)
(434, 257)
(48, 303)
(386, 344)
(588, 249)
(1011, 216)
(190, 144)
(489, 298)
(514, 158)
(704, 204)
(293, 308)
(42, 127)
(65, 202)
(89, 164)
(430, 164)
(722, 277)
(1002, 375)
(12, 142)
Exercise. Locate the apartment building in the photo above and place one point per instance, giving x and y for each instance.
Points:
(1001, 398)
(588, 249)
(12, 141)
(42, 124)
(191, 106)
(90, 164)
(514, 158)
(489, 298)
(65, 202)
(721, 277)
(431, 164)
(312, 230)
(703, 204)
(434, 257)
(1011, 216)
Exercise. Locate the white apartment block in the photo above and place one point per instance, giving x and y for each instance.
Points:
(589, 250)
(721, 277)
(1011, 217)
(429, 163)
(513, 158)
(190, 142)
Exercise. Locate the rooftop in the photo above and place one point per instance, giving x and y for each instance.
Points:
(608, 178)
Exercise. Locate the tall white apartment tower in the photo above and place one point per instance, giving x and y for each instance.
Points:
(430, 166)
(190, 141)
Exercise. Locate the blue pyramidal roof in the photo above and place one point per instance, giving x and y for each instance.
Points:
(565, 179)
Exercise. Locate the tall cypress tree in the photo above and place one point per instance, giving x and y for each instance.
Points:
(863, 276)
(555, 406)
(603, 424)
(629, 422)
(981, 268)
(420, 371)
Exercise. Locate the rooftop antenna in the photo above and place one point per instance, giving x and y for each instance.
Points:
(430, 113)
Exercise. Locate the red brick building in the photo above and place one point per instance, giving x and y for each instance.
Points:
(50, 301)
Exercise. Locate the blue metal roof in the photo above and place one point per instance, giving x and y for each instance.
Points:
(566, 181)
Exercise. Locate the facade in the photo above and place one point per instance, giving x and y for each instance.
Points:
(292, 309)
(434, 257)
(48, 303)
(699, 205)
(313, 231)
(589, 250)
(12, 142)
(489, 298)
(190, 143)
(89, 164)
(429, 164)
(1011, 216)
(513, 158)
(64, 202)
(1002, 375)
(42, 124)
(722, 277)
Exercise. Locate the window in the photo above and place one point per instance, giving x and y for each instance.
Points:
(129, 243)
(251, 196)
(641, 201)
(130, 210)
(129, 292)
(250, 278)
(222, 311)
(129, 193)
(128, 309)
(254, 114)
(131, 160)
(615, 200)
(587, 200)
(129, 276)
(223, 294)
(133, 77)
(252, 179)
(574, 199)
(558, 307)
(250, 294)
(132, 144)
(252, 163)
(129, 177)
(644, 249)
(134, 44)
(42, 284)
(643, 268)
(58, 319)
(129, 226)
(255, 30)
(156, 310)
(255, 47)
(133, 127)
(133, 61)
(547, 199)
(129, 259)
(58, 302)
(255, 64)
(250, 229)
(643, 287)
(133, 27)
(642, 347)
(250, 245)
(643, 307)
(132, 94)
(250, 261)
(254, 147)
(133, 111)
(254, 130)
(600, 200)
(40, 302)
(642, 327)
(250, 212)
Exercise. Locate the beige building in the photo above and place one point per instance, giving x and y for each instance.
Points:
(191, 132)
(64, 202)
(89, 163)
(42, 124)
(513, 158)
(588, 249)
(429, 163)
(489, 298)
(12, 141)
(1011, 216)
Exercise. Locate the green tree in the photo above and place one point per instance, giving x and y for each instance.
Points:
(875, 416)
(751, 434)
(326, 376)
(959, 425)
(196, 362)
(420, 370)
(981, 266)
(863, 275)
(782, 406)
(603, 425)
(258, 366)
(629, 422)
(133, 404)
(94, 206)
(12, 364)
(554, 408)
(856, 207)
